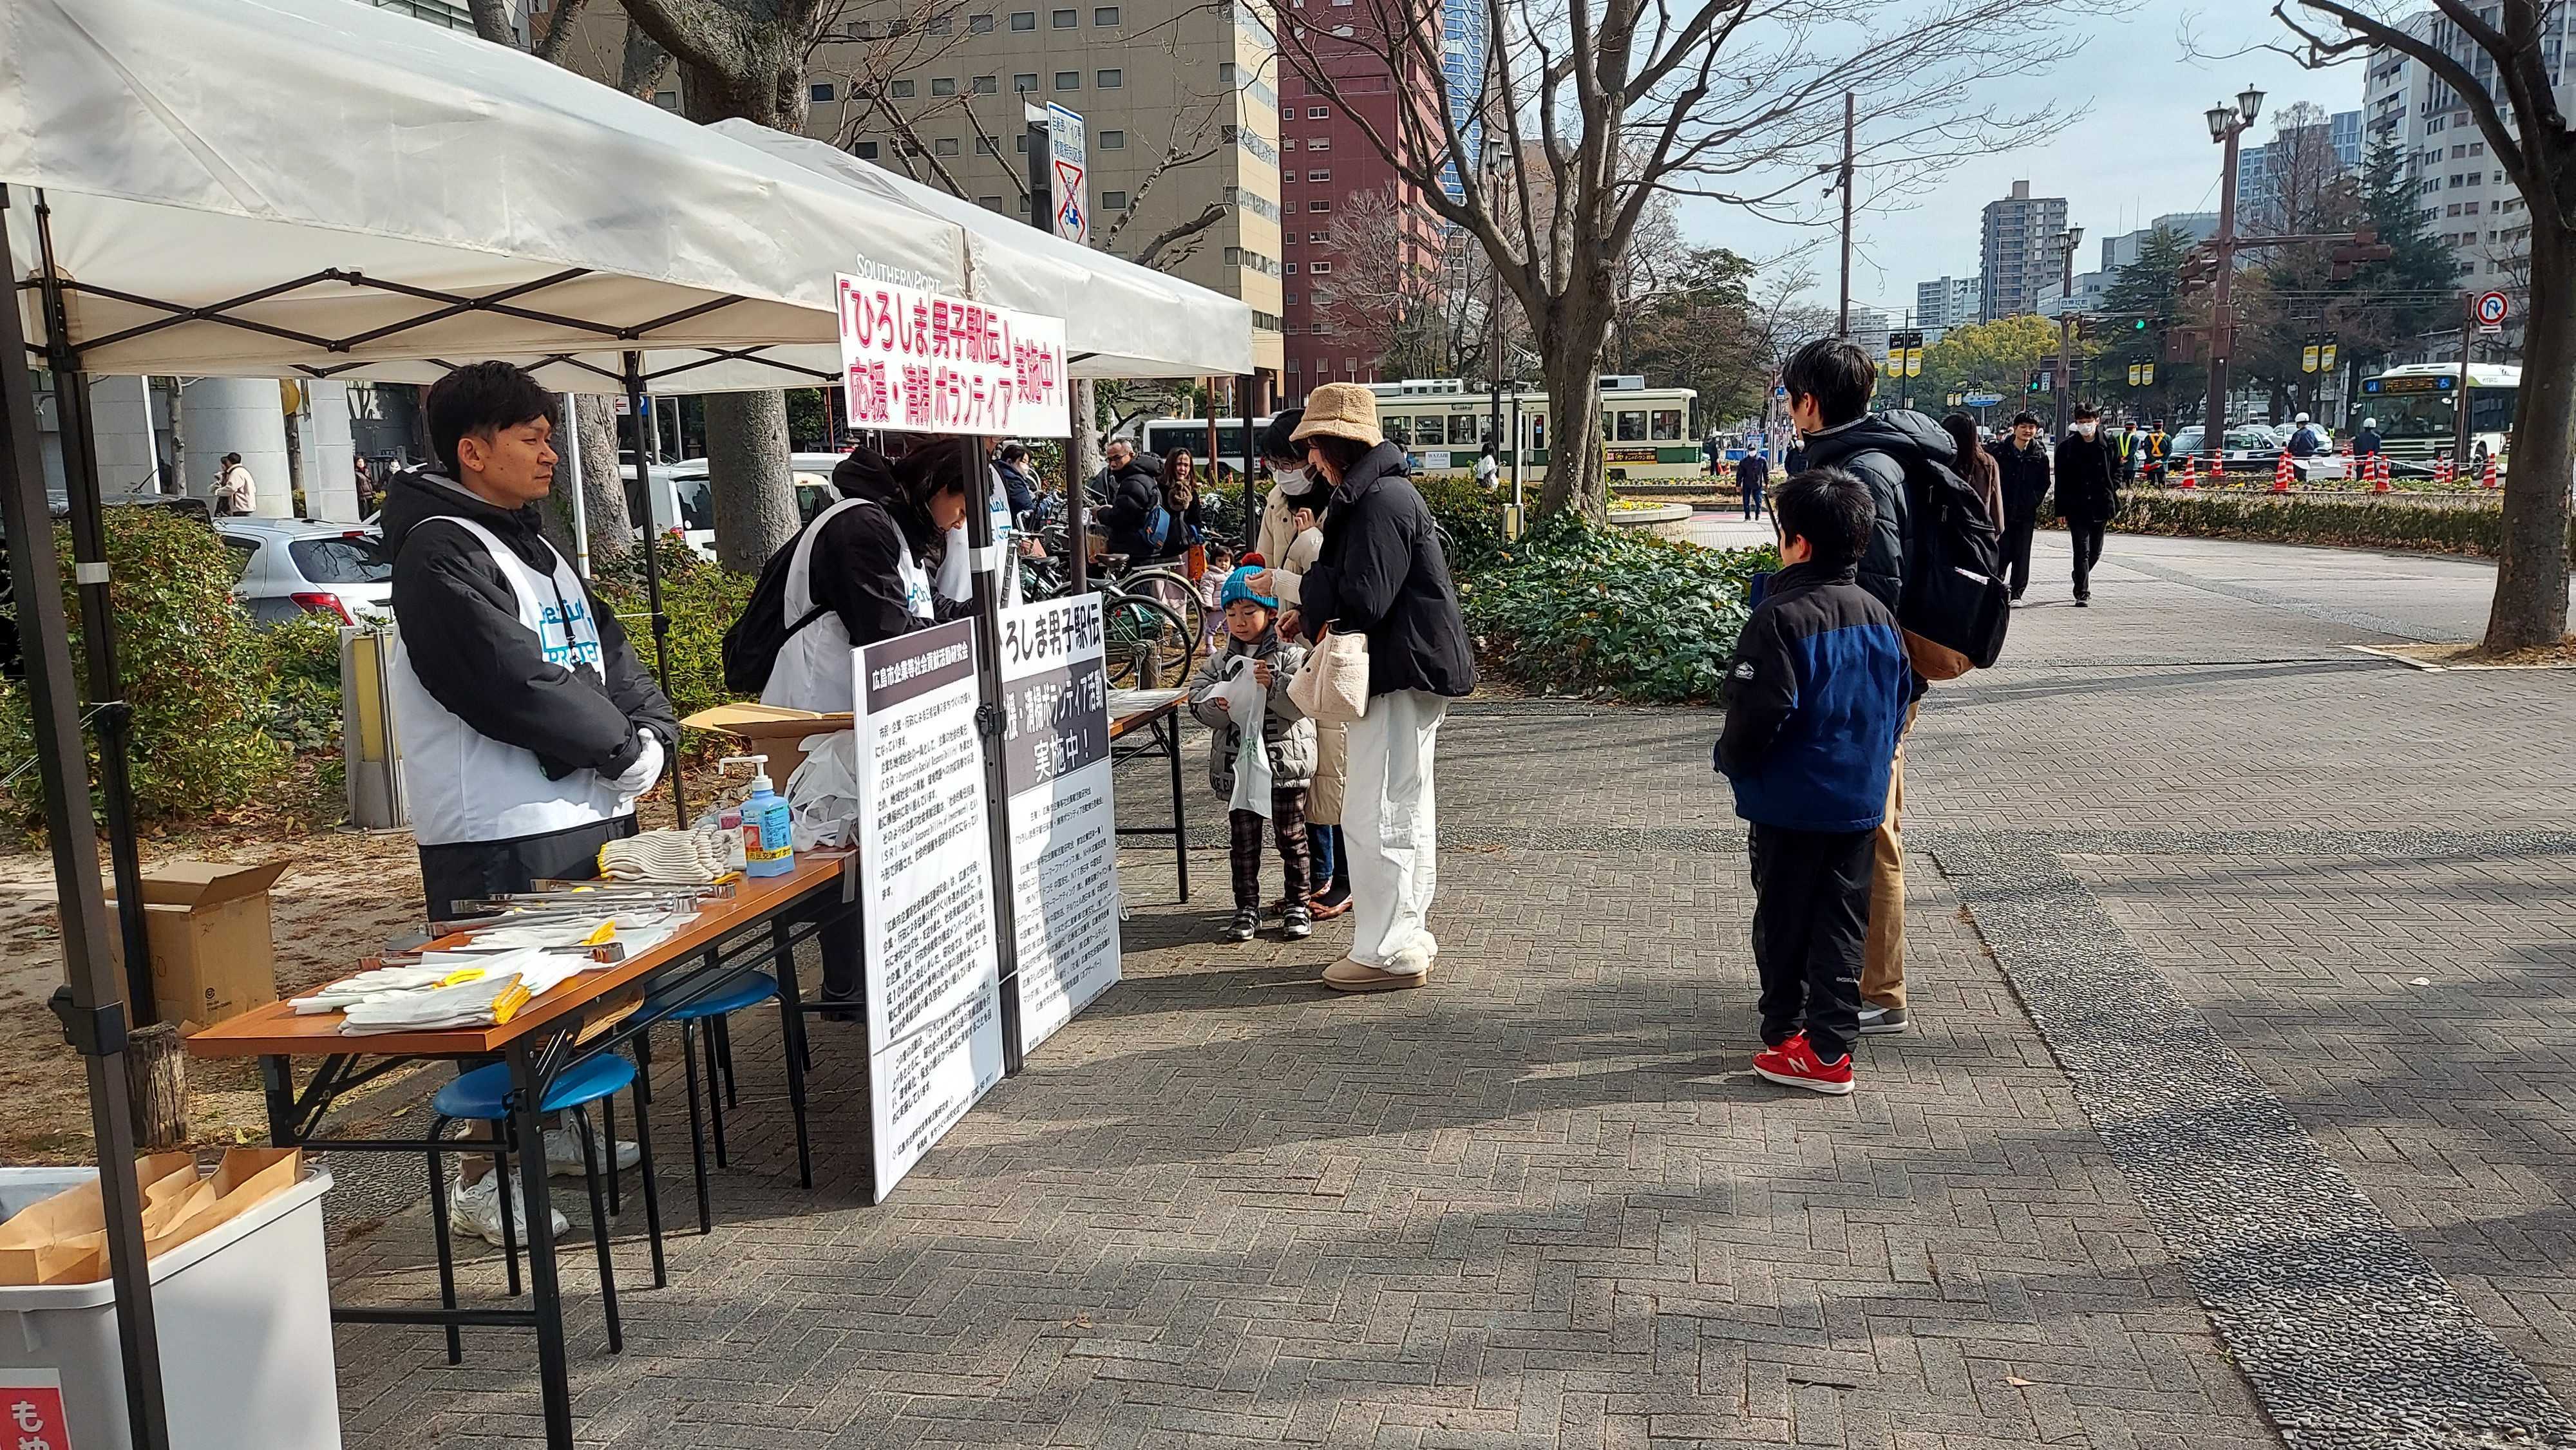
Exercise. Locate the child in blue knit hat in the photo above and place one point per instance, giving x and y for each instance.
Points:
(1243, 688)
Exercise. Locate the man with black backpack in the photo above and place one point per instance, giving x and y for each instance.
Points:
(1135, 497)
(1931, 559)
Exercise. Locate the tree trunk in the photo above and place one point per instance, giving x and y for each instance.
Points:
(1086, 458)
(2530, 605)
(156, 1080)
(747, 469)
(1574, 462)
(603, 493)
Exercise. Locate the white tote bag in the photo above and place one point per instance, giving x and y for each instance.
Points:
(1333, 687)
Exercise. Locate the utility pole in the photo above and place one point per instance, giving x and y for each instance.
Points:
(2227, 126)
(1842, 325)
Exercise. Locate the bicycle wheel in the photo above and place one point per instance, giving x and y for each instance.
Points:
(1171, 590)
(1148, 646)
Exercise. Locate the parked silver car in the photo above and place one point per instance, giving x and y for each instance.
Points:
(290, 567)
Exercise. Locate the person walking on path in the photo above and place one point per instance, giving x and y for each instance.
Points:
(235, 493)
(1814, 699)
(1239, 688)
(2021, 473)
(1977, 466)
(1381, 576)
(1829, 382)
(1752, 476)
(2087, 496)
(1133, 495)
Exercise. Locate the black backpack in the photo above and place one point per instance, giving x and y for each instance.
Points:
(752, 641)
(1954, 594)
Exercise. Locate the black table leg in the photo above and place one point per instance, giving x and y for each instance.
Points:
(1168, 730)
(791, 1042)
(277, 1082)
(553, 1382)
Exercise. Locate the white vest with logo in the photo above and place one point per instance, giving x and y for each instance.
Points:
(813, 670)
(466, 786)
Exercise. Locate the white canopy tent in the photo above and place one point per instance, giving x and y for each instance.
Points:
(1121, 320)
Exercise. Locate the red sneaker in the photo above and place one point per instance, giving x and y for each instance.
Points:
(1794, 1064)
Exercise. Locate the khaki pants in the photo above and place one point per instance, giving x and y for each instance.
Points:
(1882, 970)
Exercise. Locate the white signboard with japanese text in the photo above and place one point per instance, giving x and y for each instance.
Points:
(926, 893)
(1064, 831)
(1069, 186)
(919, 362)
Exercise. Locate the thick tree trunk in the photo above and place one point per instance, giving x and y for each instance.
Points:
(2531, 578)
(747, 469)
(1574, 462)
(603, 493)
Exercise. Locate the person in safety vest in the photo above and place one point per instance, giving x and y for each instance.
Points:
(528, 726)
(2155, 444)
(856, 575)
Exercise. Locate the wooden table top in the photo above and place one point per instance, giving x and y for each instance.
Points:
(1167, 703)
(277, 1031)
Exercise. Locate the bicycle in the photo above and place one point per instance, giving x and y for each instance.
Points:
(1149, 643)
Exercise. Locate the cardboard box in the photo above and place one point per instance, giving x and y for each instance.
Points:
(214, 949)
(770, 730)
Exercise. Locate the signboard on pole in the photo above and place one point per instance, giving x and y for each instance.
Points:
(925, 894)
(2493, 308)
(1062, 815)
(918, 362)
(2308, 358)
(1984, 398)
(1070, 160)
(2325, 357)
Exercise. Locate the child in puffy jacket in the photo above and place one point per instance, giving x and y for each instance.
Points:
(1243, 688)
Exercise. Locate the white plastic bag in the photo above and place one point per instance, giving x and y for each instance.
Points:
(823, 794)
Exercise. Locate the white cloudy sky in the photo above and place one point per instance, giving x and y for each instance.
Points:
(2136, 147)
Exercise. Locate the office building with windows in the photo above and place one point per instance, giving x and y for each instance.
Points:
(2022, 248)
(1944, 303)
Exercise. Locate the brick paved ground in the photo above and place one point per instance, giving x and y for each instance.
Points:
(1541, 1204)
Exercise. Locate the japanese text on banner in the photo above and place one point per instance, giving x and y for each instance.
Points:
(918, 362)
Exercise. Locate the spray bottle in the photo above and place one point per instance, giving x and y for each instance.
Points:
(765, 839)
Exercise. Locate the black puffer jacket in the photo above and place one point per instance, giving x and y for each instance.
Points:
(1381, 574)
(1135, 491)
(460, 625)
(2086, 488)
(1876, 448)
(2025, 477)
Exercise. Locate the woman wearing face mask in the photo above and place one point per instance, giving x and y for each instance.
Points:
(1288, 476)
(2087, 496)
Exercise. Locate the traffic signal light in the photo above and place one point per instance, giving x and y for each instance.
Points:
(2138, 324)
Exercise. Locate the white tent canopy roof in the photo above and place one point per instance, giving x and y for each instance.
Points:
(339, 191)
(1121, 320)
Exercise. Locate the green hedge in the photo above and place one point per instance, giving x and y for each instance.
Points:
(703, 600)
(2291, 519)
(1579, 608)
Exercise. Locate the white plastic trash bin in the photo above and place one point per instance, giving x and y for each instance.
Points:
(244, 1313)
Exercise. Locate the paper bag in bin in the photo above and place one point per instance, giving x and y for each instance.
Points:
(246, 1178)
(63, 1239)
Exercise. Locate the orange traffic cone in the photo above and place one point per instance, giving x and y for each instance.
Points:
(2442, 473)
(2190, 472)
(2378, 466)
(2490, 480)
(2282, 474)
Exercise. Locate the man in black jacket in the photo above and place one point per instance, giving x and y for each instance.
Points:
(2087, 495)
(1134, 489)
(1752, 476)
(1829, 382)
(528, 725)
(2022, 466)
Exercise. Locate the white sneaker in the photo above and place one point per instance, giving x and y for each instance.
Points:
(477, 1205)
(563, 1153)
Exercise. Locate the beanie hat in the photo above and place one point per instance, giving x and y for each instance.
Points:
(1238, 585)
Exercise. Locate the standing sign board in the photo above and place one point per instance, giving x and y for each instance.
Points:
(1070, 159)
(926, 893)
(918, 362)
(1063, 826)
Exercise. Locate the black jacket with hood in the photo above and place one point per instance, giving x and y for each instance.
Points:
(856, 557)
(1381, 574)
(1875, 447)
(1135, 491)
(460, 625)
(2024, 475)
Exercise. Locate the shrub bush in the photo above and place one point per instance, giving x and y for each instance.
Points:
(304, 703)
(1470, 516)
(2292, 519)
(196, 673)
(1576, 607)
(703, 599)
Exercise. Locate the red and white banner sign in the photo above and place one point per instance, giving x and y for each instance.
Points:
(31, 1410)
(917, 362)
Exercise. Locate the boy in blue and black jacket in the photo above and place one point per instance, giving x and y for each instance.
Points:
(1815, 699)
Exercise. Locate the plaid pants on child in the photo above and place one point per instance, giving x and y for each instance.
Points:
(1288, 822)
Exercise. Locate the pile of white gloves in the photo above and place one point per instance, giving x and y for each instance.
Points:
(682, 857)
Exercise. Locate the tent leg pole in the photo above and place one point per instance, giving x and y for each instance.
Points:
(93, 1016)
(1077, 504)
(98, 634)
(653, 571)
(985, 573)
(1251, 447)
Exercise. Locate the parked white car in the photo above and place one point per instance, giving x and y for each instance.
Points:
(290, 567)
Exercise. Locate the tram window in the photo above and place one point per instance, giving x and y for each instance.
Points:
(1632, 425)
(1668, 425)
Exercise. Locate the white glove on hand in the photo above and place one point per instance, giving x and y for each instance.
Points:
(647, 769)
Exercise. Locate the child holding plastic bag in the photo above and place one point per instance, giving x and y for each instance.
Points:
(1261, 753)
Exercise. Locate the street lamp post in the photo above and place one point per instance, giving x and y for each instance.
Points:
(2067, 242)
(2227, 126)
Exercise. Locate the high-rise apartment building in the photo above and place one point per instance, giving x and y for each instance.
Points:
(2462, 194)
(1944, 303)
(2299, 158)
(1178, 103)
(2023, 247)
